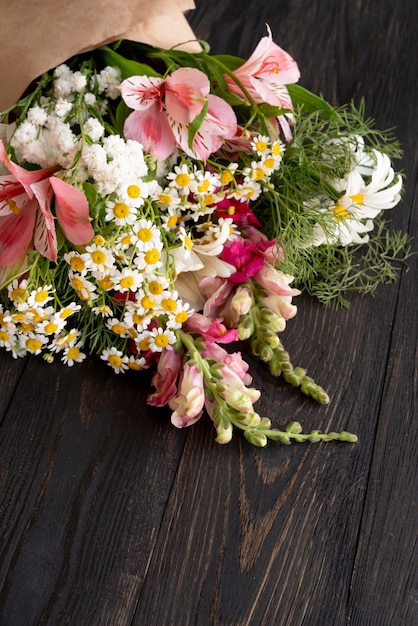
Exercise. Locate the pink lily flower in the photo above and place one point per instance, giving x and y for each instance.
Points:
(188, 404)
(265, 76)
(26, 219)
(164, 108)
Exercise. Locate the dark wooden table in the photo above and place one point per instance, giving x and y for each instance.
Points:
(110, 516)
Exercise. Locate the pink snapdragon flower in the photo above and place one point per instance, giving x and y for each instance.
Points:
(265, 76)
(26, 219)
(233, 361)
(212, 329)
(165, 378)
(164, 108)
(278, 290)
(188, 403)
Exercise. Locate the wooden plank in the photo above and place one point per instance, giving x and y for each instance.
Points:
(85, 471)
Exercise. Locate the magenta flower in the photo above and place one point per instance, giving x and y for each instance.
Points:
(240, 212)
(265, 76)
(26, 219)
(245, 257)
(164, 108)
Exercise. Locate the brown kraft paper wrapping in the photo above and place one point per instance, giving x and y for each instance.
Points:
(37, 35)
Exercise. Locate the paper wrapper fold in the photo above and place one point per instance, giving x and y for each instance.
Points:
(37, 35)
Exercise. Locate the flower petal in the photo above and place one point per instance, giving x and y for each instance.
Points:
(72, 210)
(186, 91)
(141, 92)
(16, 233)
(152, 130)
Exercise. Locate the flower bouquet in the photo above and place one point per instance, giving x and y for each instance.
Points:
(158, 206)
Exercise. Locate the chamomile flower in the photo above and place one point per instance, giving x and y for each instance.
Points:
(167, 197)
(115, 359)
(161, 339)
(68, 310)
(120, 213)
(171, 219)
(137, 363)
(182, 178)
(98, 259)
(51, 326)
(103, 310)
(73, 354)
(17, 292)
(64, 340)
(117, 327)
(180, 316)
(134, 317)
(250, 190)
(41, 295)
(85, 289)
(32, 343)
(76, 262)
(204, 183)
(145, 235)
(129, 279)
(8, 338)
(261, 144)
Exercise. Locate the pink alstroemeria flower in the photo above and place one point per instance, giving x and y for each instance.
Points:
(164, 108)
(265, 76)
(188, 404)
(26, 219)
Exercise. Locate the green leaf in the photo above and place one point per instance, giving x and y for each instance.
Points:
(230, 61)
(196, 124)
(126, 66)
(269, 110)
(312, 103)
(122, 112)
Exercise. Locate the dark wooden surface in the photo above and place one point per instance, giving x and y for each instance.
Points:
(110, 516)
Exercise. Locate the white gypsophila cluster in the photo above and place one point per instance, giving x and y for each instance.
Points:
(45, 140)
(108, 81)
(113, 163)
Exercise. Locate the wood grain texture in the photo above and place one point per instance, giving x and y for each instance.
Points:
(110, 516)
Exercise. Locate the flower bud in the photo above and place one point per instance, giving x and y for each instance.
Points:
(255, 438)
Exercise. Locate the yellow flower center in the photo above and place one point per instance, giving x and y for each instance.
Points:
(165, 198)
(126, 240)
(4, 335)
(181, 317)
(261, 146)
(161, 340)
(118, 329)
(64, 313)
(209, 199)
(276, 150)
(138, 319)
(77, 284)
(172, 221)
(126, 282)
(358, 198)
(147, 303)
(33, 345)
(121, 210)
(73, 353)
(77, 264)
(152, 256)
(98, 257)
(145, 234)
(268, 163)
(340, 213)
(169, 304)
(155, 288)
(144, 344)
(51, 328)
(99, 240)
(183, 180)
(258, 173)
(115, 360)
(226, 177)
(18, 317)
(19, 295)
(134, 191)
(204, 186)
(105, 283)
(41, 296)
(188, 242)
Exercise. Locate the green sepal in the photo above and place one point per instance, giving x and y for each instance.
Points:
(196, 124)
